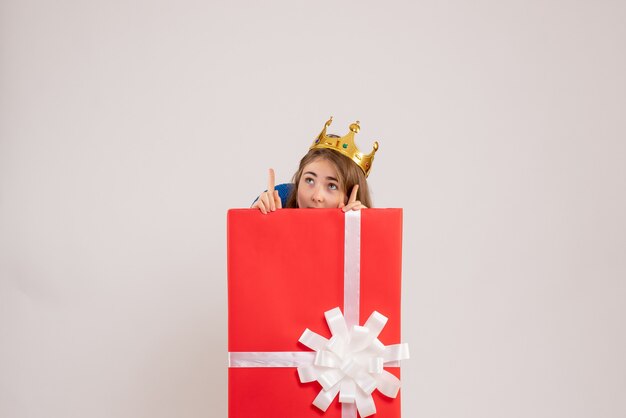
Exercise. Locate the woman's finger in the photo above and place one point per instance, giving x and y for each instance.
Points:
(267, 201)
(348, 207)
(271, 181)
(262, 206)
(353, 194)
(271, 205)
(354, 206)
(277, 201)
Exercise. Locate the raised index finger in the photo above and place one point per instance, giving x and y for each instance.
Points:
(271, 181)
(355, 190)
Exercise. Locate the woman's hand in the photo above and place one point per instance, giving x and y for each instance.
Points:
(353, 204)
(269, 200)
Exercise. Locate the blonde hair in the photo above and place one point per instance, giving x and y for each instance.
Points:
(348, 172)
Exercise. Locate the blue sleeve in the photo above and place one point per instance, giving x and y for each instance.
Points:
(283, 191)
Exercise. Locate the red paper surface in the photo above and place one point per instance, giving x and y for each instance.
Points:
(285, 269)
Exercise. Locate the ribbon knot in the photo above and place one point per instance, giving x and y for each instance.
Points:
(351, 362)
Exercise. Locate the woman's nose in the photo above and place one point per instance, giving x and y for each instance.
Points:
(317, 195)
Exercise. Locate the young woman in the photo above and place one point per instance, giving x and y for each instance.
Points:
(333, 174)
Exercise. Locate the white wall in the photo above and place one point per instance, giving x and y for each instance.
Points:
(127, 129)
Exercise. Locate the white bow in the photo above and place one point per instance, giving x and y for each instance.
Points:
(351, 362)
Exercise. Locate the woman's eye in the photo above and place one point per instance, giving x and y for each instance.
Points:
(308, 180)
(332, 186)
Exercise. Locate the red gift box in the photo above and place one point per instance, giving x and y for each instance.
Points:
(286, 269)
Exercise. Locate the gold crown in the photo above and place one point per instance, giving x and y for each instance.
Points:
(345, 145)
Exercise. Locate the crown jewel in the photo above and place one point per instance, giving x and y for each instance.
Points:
(345, 145)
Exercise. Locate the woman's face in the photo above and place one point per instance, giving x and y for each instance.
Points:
(319, 186)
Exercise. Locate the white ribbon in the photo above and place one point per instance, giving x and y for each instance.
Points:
(270, 359)
(352, 267)
(350, 363)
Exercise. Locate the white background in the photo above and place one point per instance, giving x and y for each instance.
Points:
(127, 129)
